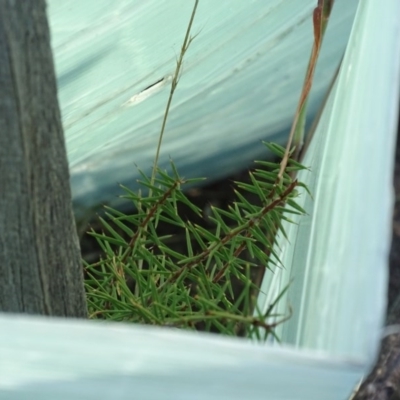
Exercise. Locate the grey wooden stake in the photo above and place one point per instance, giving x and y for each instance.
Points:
(40, 267)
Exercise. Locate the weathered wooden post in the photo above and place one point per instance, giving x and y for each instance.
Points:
(40, 267)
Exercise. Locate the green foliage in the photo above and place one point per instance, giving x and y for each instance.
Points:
(143, 279)
(212, 280)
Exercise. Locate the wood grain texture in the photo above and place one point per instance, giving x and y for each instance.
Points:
(40, 267)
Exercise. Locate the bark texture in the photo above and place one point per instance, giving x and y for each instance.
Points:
(40, 263)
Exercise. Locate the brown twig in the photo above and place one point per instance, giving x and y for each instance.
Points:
(320, 19)
(149, 216)
(249, 224)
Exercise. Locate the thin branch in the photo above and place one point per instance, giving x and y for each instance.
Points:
(249, 224)
(186, 43)
(320, 19)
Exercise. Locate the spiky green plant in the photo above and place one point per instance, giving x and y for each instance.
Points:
(210, 284)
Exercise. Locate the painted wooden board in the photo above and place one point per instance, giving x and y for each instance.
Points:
(338, 254)
(240, 83)
(70, 360)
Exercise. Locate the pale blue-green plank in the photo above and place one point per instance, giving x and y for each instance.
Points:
(338, 254)
(70, 360)
(240, 83)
